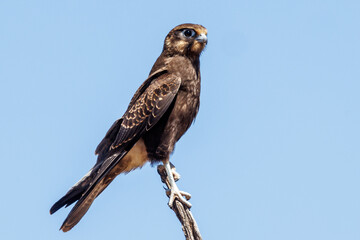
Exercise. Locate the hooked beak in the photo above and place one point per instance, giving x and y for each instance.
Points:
(202, 38)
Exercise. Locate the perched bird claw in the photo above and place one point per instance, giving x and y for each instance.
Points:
(176, 193)
(182, 193)
(173, 191)
(175, 174)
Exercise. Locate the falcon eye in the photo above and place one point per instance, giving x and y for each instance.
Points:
(188, 33)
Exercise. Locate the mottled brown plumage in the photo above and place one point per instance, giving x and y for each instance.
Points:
(160, 112)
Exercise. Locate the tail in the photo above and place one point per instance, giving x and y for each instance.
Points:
(74, 193)
(83, 205)
(86, 190)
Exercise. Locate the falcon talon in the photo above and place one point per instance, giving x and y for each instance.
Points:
(175, 174)
(176, 194)
(168, 192)
(186, 195)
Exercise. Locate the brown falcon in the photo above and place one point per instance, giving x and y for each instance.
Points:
(160, 112)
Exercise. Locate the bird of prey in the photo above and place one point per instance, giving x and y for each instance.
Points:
(159, 113)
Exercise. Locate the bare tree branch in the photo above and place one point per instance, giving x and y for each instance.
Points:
(189, 226)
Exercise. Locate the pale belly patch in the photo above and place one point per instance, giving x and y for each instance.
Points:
(135, 158)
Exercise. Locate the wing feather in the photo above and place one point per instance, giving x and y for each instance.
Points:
(147, 109)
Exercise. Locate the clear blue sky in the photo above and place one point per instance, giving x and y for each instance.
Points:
(273, 154)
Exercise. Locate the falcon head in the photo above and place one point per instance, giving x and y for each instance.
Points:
(186, 39)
